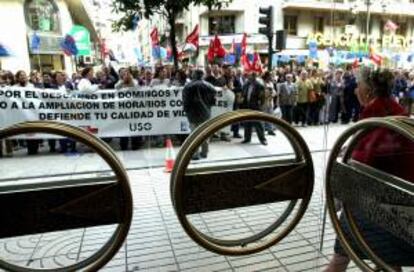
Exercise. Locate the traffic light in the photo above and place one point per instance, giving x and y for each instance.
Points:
(280, 40)
(267, 21)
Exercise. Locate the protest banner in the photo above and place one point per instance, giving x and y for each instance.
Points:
(140, 111)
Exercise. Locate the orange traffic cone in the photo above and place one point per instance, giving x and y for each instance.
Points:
(169, 157)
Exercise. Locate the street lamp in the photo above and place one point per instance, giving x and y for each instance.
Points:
(368, 3)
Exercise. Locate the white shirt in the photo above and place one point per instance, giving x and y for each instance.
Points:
(85, 85)
(28, 85)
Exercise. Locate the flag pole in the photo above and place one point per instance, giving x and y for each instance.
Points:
(75, 62)
(39, 62)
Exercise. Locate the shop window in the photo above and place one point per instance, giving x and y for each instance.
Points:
(402, 29)
(318, 24)
(222, 24)
(291, 24)
(42, 15)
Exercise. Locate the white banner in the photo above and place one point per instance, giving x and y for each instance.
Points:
(107, 113)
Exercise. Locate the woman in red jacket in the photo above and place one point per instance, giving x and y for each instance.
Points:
(384, 150)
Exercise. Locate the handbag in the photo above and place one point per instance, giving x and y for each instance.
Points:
(313, 96)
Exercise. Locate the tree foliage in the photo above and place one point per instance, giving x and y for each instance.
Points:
(169, 9)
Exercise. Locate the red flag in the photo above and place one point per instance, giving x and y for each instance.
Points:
(247, 66)
(257, 63)
(376, 58)
(244, 44)
(210, 53)
(194, 37)
(155, 41)
(218, 48)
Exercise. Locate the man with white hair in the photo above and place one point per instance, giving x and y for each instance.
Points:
(288, 98)
(304, 86)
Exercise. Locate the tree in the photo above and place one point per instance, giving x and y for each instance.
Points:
(169, 9)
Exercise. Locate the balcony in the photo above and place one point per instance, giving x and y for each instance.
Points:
(389, 7)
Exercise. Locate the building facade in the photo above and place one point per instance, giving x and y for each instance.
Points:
(344, 24)
(337, 23)
(49, 20)
(229, 23)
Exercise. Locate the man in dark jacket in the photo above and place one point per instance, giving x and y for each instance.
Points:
(253, 99)
(349, 100)
(198, 98)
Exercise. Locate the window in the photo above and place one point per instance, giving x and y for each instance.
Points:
(291, 24)
(402, 29)
(318, 24)
(42, 15)
(221, 24)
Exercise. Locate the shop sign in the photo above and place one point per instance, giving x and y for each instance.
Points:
(82, 39)
(349, 40)
(48, 44)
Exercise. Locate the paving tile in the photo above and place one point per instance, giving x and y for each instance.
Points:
(299, 258)
(157, 241)
(272, 265)
(254, 259)
(134, 264)
(217, 261)
(307, 249)
(313, 265)
(165, 268)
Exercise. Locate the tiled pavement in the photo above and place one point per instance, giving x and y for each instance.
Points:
(156, 241)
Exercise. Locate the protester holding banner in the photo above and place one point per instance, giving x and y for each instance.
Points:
(62, 83)
(22, 80)
(47, 81)
(126, 80)
(35, 78)
(86, 83)
(6, 145)
(180, 78)
(160, 77)
(7, 78)
(110, 77)
(147, 78)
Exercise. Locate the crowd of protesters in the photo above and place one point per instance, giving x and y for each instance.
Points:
(301, 96)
